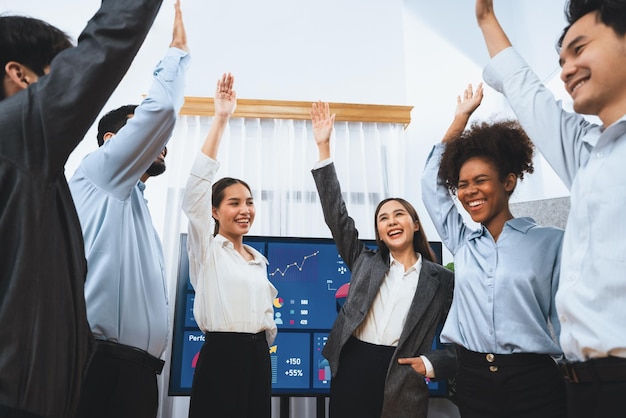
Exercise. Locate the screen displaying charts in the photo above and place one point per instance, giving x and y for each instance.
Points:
(312, 281)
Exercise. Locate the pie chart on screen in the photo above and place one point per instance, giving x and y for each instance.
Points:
(279, 302)
(194, 361)
(341, 294)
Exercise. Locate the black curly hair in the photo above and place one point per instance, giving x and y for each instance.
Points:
(610, 12)
(504, 143)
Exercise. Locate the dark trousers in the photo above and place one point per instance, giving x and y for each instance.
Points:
(120, 383)
(233, 377)
(358, 389)
(6, 412)
(509, 386)
(596, 388)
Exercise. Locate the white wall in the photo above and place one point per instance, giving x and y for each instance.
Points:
(405, 52)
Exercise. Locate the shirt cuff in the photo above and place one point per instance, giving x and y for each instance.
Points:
(505, 63)
(430, 371)
(322, 163)
(175, 51)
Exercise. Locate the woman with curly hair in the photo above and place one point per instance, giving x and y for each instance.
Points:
(502, 320)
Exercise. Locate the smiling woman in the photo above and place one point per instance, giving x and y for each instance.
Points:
(506, 270)
(383, 322)
(482, 166)
(234, 298)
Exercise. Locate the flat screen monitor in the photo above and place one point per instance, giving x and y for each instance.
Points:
(312, 281)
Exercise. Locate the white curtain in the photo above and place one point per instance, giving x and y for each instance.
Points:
(275, 157)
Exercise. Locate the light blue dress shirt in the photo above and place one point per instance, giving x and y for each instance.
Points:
(591, 299)
(504, 291)
(125, 289)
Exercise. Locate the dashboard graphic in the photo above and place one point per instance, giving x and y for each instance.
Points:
(312, 282)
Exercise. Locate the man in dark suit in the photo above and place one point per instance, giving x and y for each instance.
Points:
(50, 96)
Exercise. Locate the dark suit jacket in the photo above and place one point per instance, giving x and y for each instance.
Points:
(44, 334)
(406, 393)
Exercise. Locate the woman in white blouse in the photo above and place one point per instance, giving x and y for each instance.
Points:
(233, 303)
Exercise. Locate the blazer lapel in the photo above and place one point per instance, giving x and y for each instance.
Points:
(377, 275)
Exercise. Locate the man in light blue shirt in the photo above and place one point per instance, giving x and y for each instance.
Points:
(125, 289)
(589, 158)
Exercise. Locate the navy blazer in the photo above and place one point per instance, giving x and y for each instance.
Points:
(406, 393)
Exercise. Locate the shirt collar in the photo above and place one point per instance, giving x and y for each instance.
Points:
(614, 131)
(522, 224)
(415, 267)
(224, 242)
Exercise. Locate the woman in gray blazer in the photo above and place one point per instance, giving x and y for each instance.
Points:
(379, 348)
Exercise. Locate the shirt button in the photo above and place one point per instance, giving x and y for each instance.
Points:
(490, 357)
(493, 369)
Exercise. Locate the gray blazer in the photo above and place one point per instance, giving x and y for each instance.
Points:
(406, 393)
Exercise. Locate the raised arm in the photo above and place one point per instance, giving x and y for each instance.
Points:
(179, 35)
(495, 37)
(323, 123)
(225, 103)
(125, 157)
(336, 216)
(435, 194)
(465, 106)
(81, 79)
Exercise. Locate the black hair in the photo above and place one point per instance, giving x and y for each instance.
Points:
(31, 42)
(114, 121)
(420, 242)
(217, 194)
(504, 143)
(610, 12)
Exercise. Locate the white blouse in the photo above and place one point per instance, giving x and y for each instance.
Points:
(232, 294)
(385, 320)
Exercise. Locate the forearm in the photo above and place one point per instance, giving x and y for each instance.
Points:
(456, 127)
(214, 137)
(323, 150)
(495, 37)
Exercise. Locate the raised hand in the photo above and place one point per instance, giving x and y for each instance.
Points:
(484, 9)
(179, 36)
(225, 102)
(466, 104)
(225, 97)
(322, 121)
(469, 101)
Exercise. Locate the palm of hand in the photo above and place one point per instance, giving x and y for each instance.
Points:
(225, 103)
(322, 129)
